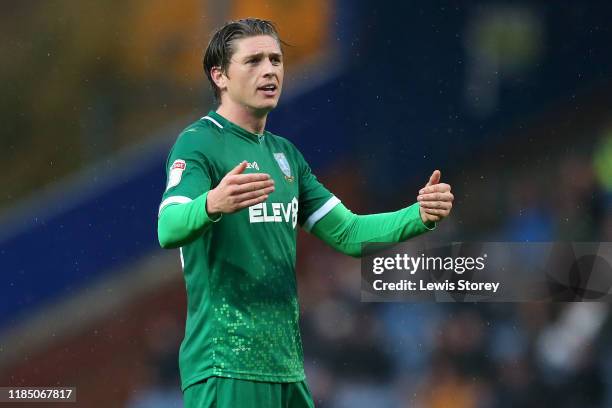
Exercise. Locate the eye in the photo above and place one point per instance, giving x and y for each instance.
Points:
(276, 60)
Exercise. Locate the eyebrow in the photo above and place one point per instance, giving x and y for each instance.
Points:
(261, 54)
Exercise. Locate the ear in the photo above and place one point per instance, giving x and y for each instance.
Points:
(218, 77)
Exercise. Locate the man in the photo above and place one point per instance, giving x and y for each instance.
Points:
(234, 197)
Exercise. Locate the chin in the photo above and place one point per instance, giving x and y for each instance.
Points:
(272, 105)
(266, 107)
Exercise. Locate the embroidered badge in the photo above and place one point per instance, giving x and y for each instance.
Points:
(284, 165)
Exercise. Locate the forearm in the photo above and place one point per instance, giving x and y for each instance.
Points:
(180, 224)
(346, 232)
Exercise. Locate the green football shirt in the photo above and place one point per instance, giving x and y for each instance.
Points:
(242, 316)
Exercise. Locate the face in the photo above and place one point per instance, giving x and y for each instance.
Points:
(254, 77)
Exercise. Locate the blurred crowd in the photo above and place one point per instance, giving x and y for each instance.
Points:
(472, 355)
(84, 80)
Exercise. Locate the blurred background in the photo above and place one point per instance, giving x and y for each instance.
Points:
(512, 101)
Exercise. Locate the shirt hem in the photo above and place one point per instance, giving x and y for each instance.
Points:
(241, 375)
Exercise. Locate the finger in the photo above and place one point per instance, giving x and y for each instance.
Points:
(253, 186)
(434, 178)
(251, 202)
(249, 178)
(445, 205)
(436, 211)
(447, 196)
(238, 169)
(253, 194)
(436, 188)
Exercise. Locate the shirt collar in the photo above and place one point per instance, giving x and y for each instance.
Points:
(226, 124)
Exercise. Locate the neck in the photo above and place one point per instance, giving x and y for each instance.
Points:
(245, 117)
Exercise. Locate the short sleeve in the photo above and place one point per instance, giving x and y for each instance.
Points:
(187, 171)
(315, 200)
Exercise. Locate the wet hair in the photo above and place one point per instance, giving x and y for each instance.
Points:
(221, 48)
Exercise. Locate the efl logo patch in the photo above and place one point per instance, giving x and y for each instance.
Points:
(176, 173)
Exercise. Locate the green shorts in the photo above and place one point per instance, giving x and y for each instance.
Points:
(219, 392)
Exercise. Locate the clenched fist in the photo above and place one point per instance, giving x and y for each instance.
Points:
(435, 199)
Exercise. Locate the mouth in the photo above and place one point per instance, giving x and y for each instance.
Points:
(268, 90)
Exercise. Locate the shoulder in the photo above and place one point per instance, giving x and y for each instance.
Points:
(202, 135)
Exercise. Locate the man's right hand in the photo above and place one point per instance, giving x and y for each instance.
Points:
(237, 191)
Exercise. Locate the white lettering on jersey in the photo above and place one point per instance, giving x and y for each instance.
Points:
(274, 212)
(253, 165)
(176, 173)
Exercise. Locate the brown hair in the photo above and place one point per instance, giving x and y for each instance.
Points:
(220, 49)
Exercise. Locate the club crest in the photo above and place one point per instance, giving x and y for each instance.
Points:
(284, 165)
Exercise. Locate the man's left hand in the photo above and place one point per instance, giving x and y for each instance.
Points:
(435, 199)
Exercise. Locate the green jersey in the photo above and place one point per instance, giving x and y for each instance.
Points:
(242, 317)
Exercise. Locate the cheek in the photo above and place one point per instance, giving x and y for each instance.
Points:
(247, 82)
(240, 85)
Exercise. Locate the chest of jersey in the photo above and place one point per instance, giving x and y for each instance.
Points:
(270, 158)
